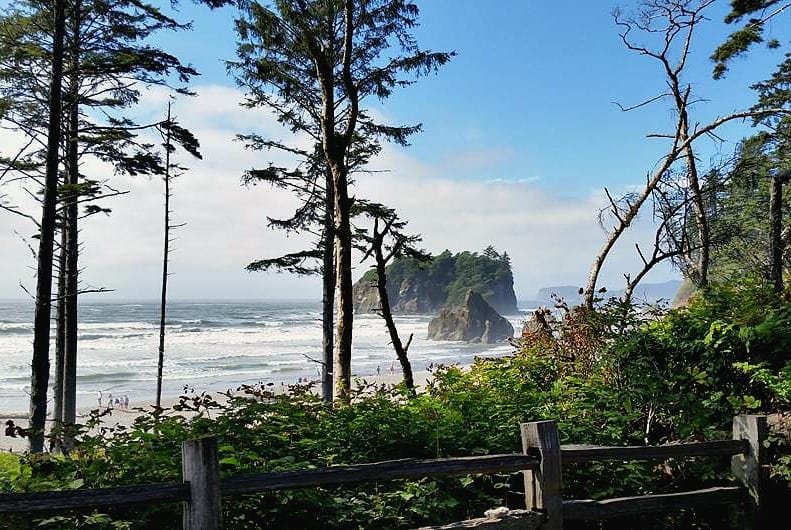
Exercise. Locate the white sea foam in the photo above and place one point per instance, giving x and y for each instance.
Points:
(210, 346)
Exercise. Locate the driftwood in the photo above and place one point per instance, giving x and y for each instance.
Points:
(499, 519)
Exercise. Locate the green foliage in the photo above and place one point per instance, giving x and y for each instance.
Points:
(619, 375)
(446, 278)
(752, 32)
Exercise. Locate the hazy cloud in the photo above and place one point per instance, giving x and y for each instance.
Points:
(551, 240)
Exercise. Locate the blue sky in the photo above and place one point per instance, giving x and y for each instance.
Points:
(532, 90)
(521, 134)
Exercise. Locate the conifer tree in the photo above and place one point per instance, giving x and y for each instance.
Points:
(314, 63)
(104, 59)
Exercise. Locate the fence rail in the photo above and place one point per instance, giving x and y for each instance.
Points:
(541, 463)
(394, 469)
(644, 504)
(590, 453)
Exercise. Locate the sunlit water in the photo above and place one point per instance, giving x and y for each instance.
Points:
(210, 346)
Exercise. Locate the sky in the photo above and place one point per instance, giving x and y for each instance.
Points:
(521, 133)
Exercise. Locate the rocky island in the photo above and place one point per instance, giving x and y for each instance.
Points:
(426, 287)
(473, 321)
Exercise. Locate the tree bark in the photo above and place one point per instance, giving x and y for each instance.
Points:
(40, 364)
(328, 291)
(72, 214)
(776, 246)
(60, 333)
(700, 270)
(343, 260)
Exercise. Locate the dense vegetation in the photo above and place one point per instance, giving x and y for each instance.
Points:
(446, 278)
(618, 375)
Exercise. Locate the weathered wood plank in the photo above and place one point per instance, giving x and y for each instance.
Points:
(395, 469)
(618, 507)
(749, 467)
(76, 499)
(509, 520)
(588, 453)
(201, 472)
(543, 486)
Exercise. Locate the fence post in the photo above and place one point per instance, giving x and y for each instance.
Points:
(543, 486)
(751, 468)
(201, 470)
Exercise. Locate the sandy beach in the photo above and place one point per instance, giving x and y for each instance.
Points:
(126, 416)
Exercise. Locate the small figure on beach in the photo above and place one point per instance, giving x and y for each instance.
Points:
(99, 397)
(392, 368)
(14, 430)
(126, 401)
(378, 370)
(110, 400)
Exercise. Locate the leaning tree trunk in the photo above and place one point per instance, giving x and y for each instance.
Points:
(701, 268)
(776, 246)
(343, 263)
(384, 299)
(39, 375)
(328, 290)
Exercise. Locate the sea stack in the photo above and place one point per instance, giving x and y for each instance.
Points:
(473, 321)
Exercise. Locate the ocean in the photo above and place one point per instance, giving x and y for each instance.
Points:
(210, 346)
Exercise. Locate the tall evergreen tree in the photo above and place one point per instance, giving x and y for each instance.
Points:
(106, 60)
(313, 62)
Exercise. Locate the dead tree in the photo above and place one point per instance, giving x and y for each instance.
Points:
(672, 23)
(172, 134)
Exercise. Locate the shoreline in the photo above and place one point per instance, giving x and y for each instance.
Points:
(125, 416)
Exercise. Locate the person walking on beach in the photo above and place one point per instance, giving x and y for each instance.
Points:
(110, 400)
(378, 370)
(99, 397)
(126, 401)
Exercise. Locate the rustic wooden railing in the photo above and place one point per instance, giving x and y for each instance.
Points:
(543, 486)
(201, 489)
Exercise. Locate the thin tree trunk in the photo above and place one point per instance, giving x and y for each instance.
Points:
(384, 299)
(343, 262)
(328, 291)
(701, 268)
(776, 246)
(39, 375)
(60, 333)
(72, 241)
(165, 251)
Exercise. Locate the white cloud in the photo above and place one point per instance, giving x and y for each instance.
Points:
(551, 240)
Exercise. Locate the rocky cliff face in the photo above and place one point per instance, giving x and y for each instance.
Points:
(473, 321)
(425, 288)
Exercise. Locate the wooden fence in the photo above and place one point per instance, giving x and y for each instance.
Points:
(543, 486)
(201, 489)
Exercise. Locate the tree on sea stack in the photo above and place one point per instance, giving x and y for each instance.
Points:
(313, 63)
